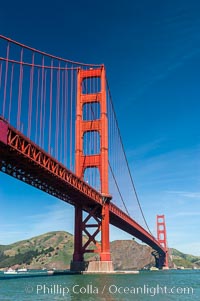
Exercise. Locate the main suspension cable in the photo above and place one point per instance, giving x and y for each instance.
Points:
(126, 160)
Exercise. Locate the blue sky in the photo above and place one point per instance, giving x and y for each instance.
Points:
(151, 50)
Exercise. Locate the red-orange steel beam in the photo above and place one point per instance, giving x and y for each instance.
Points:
(24, 160)
(22, 151)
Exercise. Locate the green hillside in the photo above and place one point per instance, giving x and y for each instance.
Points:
(185, 260)
(55, 250)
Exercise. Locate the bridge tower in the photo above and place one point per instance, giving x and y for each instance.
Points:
(162, 239)
(99, 161)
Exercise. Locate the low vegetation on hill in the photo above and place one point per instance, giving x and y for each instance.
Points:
(55, 250)
(184, 260)
(51, 250)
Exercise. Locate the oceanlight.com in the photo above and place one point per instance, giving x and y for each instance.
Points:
(112, 289)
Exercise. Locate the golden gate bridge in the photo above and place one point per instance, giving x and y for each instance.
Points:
(59, 133)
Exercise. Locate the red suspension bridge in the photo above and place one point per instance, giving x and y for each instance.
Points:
(59, 133)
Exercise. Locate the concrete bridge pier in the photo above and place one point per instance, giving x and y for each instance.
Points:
(96, 266)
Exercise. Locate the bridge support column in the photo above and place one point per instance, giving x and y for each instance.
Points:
(89, 244)
(105, 264)
(84, 160)
(162, 238)
(77, 263)
(78, 254)
(163, 262)
(160, 260)
(105, 241)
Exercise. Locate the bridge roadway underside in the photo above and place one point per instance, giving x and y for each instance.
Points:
(16, 163)
(22, 168)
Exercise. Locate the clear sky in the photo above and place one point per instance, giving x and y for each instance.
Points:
(151, 50)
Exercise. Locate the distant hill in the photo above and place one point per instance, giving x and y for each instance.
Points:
(130, 255)
(50, 250)
(55, 250)
(185, 260)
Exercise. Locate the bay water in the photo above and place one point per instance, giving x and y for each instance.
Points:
(168, 285)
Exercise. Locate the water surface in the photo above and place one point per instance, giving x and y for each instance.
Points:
(155, 285)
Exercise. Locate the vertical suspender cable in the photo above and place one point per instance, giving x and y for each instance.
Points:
(20, 91)
(30, 97)
(0, 74)
(37, 107)
(71, 119)
(62, 116)
(59, 108)
(41, 102)
(57, 111)
(11, 88)
(44, 111)
(50, 107)
(6, 78)
(65, 116)
(75, 98)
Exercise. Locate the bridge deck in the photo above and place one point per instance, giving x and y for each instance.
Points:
(24, 160)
